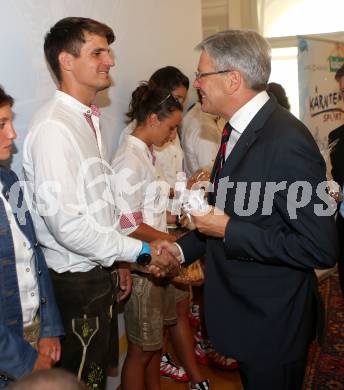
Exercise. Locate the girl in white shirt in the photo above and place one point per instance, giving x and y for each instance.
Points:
(170, 156)
(141, 200)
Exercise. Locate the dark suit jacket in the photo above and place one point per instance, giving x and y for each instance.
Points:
(260, 287)
(337, 154)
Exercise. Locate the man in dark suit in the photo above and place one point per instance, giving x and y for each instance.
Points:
(336, 144)
(262, 241)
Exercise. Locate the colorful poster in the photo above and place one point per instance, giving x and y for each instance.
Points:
(321, 103)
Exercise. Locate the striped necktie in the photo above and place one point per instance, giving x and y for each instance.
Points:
(221, 154)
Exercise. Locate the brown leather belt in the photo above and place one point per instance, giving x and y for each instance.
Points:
(31, 332)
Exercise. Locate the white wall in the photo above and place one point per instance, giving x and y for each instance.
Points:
(150, 34)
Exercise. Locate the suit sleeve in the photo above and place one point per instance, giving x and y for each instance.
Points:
(306, 241)
(17, 357)
(193, 246)
(336, 147)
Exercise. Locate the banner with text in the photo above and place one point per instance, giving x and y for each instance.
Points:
(321, 103)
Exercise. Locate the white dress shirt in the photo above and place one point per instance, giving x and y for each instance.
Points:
(126, 131)
(241, 119)
(68, 185)
(200, 137)
(141, 194)
(25, 266)
(170, 159)
(169, 156)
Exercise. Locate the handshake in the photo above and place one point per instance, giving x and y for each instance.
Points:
(166, 259)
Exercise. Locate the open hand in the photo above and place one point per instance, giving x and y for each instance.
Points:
(125, 282)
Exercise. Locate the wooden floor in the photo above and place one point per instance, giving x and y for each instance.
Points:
(219, 380)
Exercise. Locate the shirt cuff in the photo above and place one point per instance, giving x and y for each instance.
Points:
(181, 257)
(131, 248)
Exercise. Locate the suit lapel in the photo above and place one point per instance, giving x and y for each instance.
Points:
(248, 138)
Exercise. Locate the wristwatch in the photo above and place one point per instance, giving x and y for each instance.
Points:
(145, 256)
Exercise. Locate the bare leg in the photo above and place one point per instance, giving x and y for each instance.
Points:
(135, 365)
(152, 373)
(165, 341)
(182, 342)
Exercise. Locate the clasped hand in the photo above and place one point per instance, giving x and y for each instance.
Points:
(164, 259)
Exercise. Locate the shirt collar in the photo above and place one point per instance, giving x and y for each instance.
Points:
(240, 120)
(74, 103)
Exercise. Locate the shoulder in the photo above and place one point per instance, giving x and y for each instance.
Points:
(289, 143)
(7, 176)
(54, 114)
(336, 133)
(126, 131)
(282, 126)
(128, 156)
(53, 125)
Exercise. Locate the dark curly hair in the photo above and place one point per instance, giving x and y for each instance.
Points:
(146, 100)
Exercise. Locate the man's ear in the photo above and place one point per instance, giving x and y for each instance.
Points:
(66, 61)
(233, 81)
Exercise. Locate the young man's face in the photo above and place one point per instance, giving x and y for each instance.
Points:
(7, 132)
(91, 69)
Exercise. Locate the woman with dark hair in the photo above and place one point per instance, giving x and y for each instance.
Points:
(280, 94)
(141, 198)
(169, 159)
(141, 212)
(172, 79)
(170, 156)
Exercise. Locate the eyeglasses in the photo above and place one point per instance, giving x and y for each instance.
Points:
(199, 75)
(170, 95)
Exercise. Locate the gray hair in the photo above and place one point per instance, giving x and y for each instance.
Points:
(246, 51)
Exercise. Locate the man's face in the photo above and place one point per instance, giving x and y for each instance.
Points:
(7, 132)
(91, 69)
(212, 87)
